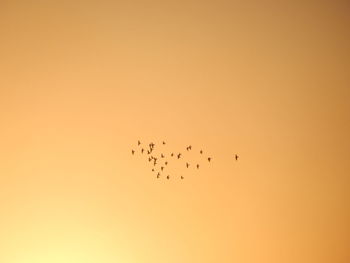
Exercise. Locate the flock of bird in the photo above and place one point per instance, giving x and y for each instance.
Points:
(160, 163)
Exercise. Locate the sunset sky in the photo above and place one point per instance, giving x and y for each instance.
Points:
(82, 81)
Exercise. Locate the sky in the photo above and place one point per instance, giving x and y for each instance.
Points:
(82, 81)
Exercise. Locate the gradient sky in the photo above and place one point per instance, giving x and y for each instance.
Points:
(82, 81)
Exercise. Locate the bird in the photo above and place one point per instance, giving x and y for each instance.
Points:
(162, 155)
(190, 147)
(182, 177)
(187, 165)
(166, 163)
(167, 177)
(152, 170)
(197, 166)
(172, 154)
(151, 146)
(163, 143)
(132, 151)
(149, 159)
(158, 175)
(138, 142)
(148, 152)
(200, 151)
(209, 159)
(142, 150)
(162, 168)
(178, 156)
(236, 157)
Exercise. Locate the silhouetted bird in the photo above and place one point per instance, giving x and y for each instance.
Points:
(200, 151)
(197, 166)
(151, 146)
(178, 156)
(167, 177)
(236, 157)
(148, 152)
(142, 150)
(158, 175)
(209, 159)
(188, 147)
(182, 177)
(138, 142)
(149, 159)
(163, 142)
(187, 165)
(132, 151)
(162, 155)
(152, 170)
(162, 168)
(166, 163)
(172, 154)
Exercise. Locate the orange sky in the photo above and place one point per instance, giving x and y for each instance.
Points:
(82, 81)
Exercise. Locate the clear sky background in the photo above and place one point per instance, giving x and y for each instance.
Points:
(82, 81)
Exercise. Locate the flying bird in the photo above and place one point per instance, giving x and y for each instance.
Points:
(158, 175)
(166, 163)
(182, 177)
(167, 177)
(209, 159)
(142, 150)
(197, 166)
(163, 143)
(200, 151)
(172, 154)
(162, 168)
(162, 155)
(236, 157)
(178, 156)
(132, 151)
(138, 142)
(187, 165)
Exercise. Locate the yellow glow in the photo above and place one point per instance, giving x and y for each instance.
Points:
(82, 81)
